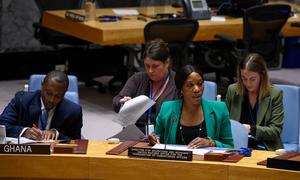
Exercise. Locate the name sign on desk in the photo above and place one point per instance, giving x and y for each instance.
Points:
(24, 149)
(74, 16)
(166, 154)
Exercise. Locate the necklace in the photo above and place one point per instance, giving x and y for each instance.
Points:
(182, 133)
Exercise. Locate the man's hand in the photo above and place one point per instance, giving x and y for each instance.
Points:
(49, 134)
(33, 133)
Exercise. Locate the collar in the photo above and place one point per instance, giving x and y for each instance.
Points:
(43, 107)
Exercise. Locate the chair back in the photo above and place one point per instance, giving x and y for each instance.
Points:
(262, 27)
(48, 36)
(44, 5)
(35, 82)
(117, 3)
(210, 90)
(239, 134)
(291, 107)
(178, 33)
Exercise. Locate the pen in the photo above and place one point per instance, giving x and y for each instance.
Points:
(34, 125)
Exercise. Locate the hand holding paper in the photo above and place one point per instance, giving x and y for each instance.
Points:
(132, 110)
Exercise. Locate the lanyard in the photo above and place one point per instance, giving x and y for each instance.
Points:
(155, 95)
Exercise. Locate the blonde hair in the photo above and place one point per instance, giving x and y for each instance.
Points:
(255, 63)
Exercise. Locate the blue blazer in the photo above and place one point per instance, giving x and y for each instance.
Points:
(25, 108)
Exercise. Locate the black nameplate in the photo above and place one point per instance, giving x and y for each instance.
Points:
(166, 154)
(24, 149)
(74, 16)
(283, 164)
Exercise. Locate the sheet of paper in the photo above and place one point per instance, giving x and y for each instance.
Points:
(130, 133)
(199, 151)
(125, 12)
(132, 110)
(218, 18)
(23, 140)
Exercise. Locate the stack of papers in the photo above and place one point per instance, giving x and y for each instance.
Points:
(198, 151)
(23, 140)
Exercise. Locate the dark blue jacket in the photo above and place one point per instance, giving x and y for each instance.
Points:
(25, 109)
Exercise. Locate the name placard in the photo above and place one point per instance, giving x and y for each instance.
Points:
(74, 16)
(166, 154)
(24, 149)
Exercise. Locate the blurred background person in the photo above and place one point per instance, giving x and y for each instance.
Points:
(156, 82)
(255, 103)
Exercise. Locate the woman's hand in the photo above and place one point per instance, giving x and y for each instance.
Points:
(200, 142)
(153, 139)
(124, 99)
(248, 127)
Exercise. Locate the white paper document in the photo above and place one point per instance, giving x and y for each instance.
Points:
(199, 151)
(125, 12)
(130, 133)
(218, 18)
(132, 110)
(24, 140)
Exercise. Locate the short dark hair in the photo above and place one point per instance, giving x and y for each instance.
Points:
(58, 76)
(183, 73)
(157, 49)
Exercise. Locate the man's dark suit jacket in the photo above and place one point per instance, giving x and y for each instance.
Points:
(25, 108)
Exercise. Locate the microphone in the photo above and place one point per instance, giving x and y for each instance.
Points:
(168, 135)
(20, 118)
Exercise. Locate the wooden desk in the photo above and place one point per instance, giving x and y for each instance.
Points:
(131, 30)
(97, 165)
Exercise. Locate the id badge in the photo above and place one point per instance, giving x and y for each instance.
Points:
(149, 129)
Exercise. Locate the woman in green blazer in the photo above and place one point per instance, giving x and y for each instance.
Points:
(257, 104)
(192, 120)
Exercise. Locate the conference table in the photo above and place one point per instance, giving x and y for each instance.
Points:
(97, 165)
(130, 29)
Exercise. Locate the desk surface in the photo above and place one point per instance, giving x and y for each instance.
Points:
(131, 30)
(97, 165)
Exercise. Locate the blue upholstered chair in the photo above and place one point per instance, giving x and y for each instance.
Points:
(210, 90)
(35, 81)
(239, 134)
(291, 107)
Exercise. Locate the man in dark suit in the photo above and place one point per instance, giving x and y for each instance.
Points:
(44, 114)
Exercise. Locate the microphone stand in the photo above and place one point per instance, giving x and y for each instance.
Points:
(20, 117)
(167, 138)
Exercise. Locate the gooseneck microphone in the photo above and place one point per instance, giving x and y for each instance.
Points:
(20, 116)
(168, 135)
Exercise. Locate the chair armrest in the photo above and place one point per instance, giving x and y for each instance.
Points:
(227, 39)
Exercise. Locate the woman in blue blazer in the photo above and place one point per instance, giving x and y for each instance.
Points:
(192, 120)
